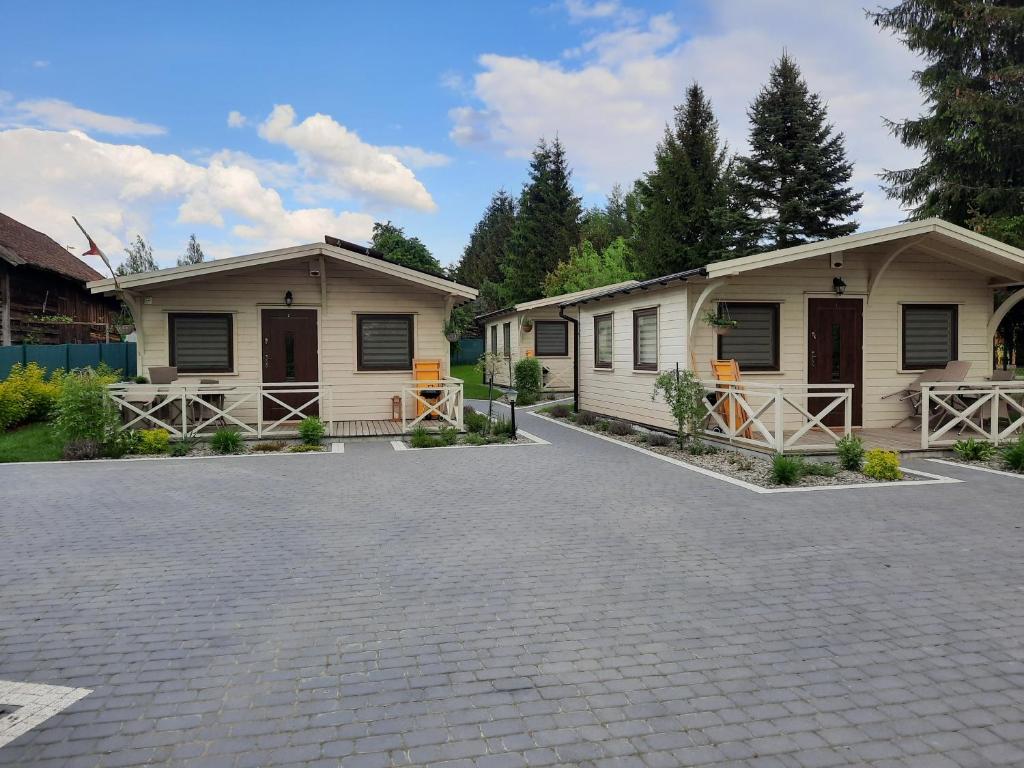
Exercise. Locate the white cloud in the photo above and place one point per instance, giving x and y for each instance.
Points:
(583, 11)
(40, 63)
(609, 98)
(117, 190)
(337, 158)
(418, 158)
(236, 119)
(55, 113)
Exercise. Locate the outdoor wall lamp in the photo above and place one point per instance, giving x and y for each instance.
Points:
(839, 286)
(288, 298)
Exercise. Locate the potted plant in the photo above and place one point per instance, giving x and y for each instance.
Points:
(124, 323)
(452, 330)
(527, 325)
(720, 324)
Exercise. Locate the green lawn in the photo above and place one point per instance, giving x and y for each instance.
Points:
(472, 386)
(36, 442)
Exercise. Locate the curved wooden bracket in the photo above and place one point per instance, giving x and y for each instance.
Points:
(877, 275)
(704, 294)
(1003, 310)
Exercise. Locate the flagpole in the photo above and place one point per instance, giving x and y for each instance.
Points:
(94, 250)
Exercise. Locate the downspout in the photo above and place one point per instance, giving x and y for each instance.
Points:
(575, 358)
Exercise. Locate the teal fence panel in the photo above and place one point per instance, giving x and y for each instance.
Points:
(467, 351)
(119, 356)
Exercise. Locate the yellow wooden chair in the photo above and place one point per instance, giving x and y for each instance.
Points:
(429, 372)
(727, 374)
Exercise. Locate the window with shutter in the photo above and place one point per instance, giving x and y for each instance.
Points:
(754, 342)
(200, 342)
(603, 341)
(645, 339)
(551, 338)
(385, 342)
(494, 340)
(506, 336)
(929, 335)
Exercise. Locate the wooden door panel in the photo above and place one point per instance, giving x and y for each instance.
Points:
(289, 357)
(835, 343)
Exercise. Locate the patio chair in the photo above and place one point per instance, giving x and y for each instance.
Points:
(163, 374)
(727, 373)
(427, 371)
(955, 370)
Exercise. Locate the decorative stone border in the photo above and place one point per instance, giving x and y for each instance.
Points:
(531, 439)
(930, 479)
(35, 704)
(976, 468)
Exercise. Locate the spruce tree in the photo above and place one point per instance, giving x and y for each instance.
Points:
(482, 258)
(682, 217)
(138, 258)
(602, 226)
(793, 187)
(547, 226)
(972, 133)
(193, 253)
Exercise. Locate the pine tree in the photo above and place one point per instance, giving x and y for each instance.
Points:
(547, 226)
(602, 226)
(193, 253)
(139, 258)
(683, 219)
(410, 252)
(972, 133)
(482, 258)
(794, 185)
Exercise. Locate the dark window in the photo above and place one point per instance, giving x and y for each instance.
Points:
(384, 342)
(551, 338)
(200, 343)
(494, 339)
(603, 341)
(645, 339)
(754, 342)
(506, 338)
(929, 335)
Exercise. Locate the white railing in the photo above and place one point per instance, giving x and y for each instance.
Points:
(759, 415)
(192, 410)
(438, 399)
(993, 410)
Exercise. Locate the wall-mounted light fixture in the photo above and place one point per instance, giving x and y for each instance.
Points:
(839, 286)
(288, 298)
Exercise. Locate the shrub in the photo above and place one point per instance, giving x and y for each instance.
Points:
(974, 450)
(305, 447)
(882, 465)
(140, 380)
(183, 447)
(851, 452)
(560, 411)
(501, 428)
(153, 441)
(821, 469)
(474, 438)
(528, 378)
(698, 448)
(82, 449)
(476, 423)
(620, 428)
(602, 425)
(586, 418)
(1013, 455)
(226, 440)
(26, 395)
(420, 438)
(786, 470)
(740, 461)
(448, 435)
(269, 446)
(85, 416)
(684, 394)
(658, 439)
(311, 430)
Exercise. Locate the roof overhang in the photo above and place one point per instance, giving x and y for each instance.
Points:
(163, 277)
(644, 285)
(561, 300)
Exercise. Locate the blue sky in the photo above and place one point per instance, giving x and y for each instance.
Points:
(119, 112)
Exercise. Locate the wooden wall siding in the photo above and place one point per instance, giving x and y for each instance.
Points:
(560, 368)
(620, 391)
(350, 290)
(36, 292)
(914, 277)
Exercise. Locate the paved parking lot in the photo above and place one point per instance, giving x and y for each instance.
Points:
(573, 603)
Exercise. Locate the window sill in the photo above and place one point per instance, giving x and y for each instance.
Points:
(406, 372)
(644, 371)
(595, 369)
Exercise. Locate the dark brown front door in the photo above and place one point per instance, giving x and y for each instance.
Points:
(835, 342)
(289, 357)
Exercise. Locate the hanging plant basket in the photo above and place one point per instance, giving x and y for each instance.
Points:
(453, 336)
(722, 330)
(123, 329)
(527, 326)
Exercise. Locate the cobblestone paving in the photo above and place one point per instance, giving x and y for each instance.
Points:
(576, 603)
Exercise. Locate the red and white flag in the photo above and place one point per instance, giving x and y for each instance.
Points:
(94, 250)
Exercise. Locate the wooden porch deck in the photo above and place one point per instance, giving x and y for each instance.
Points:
(377, 427)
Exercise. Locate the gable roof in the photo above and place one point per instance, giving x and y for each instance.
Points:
(22, 245)
(564, 299)
(348, 253)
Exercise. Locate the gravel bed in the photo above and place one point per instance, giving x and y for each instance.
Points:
(996, 462)
(750, 469)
